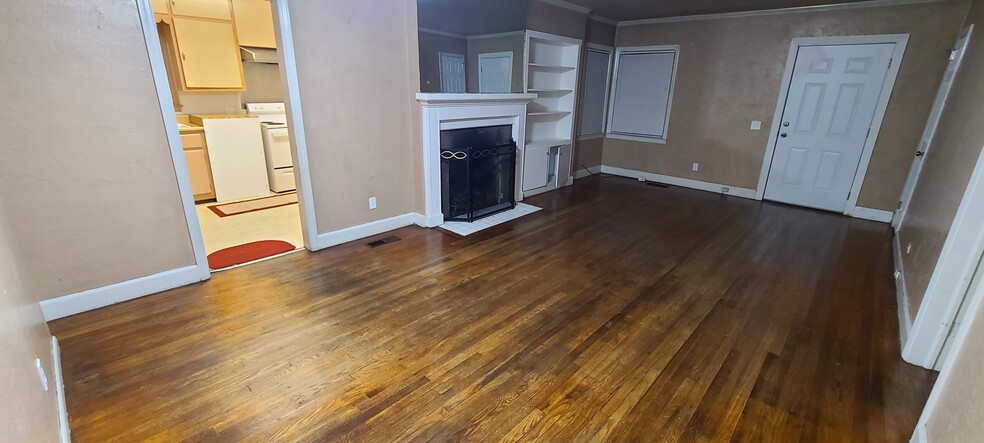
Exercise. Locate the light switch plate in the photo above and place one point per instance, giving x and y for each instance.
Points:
(756, 125)
(372, 202)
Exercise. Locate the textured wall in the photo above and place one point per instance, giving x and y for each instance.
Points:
(29, 413)
(360, 115)
(86, 173)
(551, 19)
(947, 168)
(730, 73)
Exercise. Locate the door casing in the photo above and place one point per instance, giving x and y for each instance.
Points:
(900, 41)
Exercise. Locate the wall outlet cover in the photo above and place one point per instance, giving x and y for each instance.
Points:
(372, 202)
(696, 167)
(756, 125)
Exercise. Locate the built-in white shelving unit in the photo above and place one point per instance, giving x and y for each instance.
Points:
(551, 73)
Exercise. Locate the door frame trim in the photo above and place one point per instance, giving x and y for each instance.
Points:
(288, 67)
(900, 41)
(913, 177)
(495, 55)
(440, 67)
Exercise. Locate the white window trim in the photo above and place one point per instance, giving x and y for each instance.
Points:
(610, 51)
(675, 49)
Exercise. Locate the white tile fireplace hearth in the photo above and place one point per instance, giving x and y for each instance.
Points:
(458, 111)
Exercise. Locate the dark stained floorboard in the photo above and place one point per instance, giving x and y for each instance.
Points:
(621, 312)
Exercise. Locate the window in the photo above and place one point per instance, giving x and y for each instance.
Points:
(597, 68)
(643, 92)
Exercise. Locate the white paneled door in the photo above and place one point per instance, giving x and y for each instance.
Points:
(495, 72)
(826, 120)
(452, 72)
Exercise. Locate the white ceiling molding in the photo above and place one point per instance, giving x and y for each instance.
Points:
(566, 5)
(497, 35)
(601, 19)
(442, 33)
(794, 10)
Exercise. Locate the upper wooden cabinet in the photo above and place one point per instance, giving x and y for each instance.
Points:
(208, 54)
(160, 6)
(217, 9)
(254, 23)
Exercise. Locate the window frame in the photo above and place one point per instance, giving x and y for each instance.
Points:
(610, 52)
(657, 49)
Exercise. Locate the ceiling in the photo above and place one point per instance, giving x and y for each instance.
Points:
(472, 17)
(642, 9)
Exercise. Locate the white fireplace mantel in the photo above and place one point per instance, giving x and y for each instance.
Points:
(457, 111)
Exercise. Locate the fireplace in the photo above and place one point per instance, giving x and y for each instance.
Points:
(478, 172)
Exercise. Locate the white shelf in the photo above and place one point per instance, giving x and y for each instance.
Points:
(548, 113)
(551, 91)
(547, 67)
(548, 142)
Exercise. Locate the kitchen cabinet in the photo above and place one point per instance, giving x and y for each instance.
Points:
(199, 169)
(160, 6)
(208, 54)
(215, 9)
(254, 23)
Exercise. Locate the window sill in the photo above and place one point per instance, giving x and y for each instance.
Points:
(590, 136)
(637, 138)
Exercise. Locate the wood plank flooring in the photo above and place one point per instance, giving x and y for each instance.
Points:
(621, 312)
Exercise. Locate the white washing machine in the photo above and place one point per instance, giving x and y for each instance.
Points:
(276, 144)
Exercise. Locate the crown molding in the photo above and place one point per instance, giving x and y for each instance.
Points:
(601, 19)
(498, 35)
(441, 33)
(566, 5)
(779, 11)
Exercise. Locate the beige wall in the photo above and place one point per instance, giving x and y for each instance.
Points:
(730, 73)
(86, 173)
(587, 153)
(430, 63)
(947, 168)
(30, 413)
(357, 68)
(510, 43)
(551, 19)
(600, 33)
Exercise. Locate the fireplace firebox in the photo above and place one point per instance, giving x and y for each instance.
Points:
(478, 172)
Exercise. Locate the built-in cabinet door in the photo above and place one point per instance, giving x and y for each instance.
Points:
(254, 23)
(208, 53)
(196, 157)
(536, 167)
(217, 9)
(160, 6)
(564, 165)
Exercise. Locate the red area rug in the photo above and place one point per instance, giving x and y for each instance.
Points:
(248, 252)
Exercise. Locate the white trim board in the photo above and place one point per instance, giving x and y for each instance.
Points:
(601, 19)
(496, 35)
(159, 71)
(951, 278)
(716, 188)
(901, 294)
(777, 11)
(900, 41)
(372, 228)
(64, 429)
(441, 33)
(878, 215)
(79, 302)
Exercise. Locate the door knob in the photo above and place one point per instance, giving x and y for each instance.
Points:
(785, 124)
(783, 135)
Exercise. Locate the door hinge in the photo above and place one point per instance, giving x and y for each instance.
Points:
(899, 206)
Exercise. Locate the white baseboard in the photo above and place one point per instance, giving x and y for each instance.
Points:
(72, 304)
(64, 431)
(901, 295)
(427, 221)
(920, 435)
(591, 170)
(878, 215)
(364, 230)
(679, 181)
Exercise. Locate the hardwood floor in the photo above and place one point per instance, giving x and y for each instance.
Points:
(621, 312)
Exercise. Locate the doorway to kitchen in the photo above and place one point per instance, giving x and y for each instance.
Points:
(218, 76)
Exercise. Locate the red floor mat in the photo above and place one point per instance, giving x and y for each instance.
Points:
(248, 252)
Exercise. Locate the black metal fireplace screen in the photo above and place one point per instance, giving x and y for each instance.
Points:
(478, 172)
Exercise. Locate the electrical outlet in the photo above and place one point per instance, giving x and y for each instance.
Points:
(642, 179)
(372, 202)
(908, 248)
(696, 167)
(756, 125)
(725, 189)
(44, 379)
